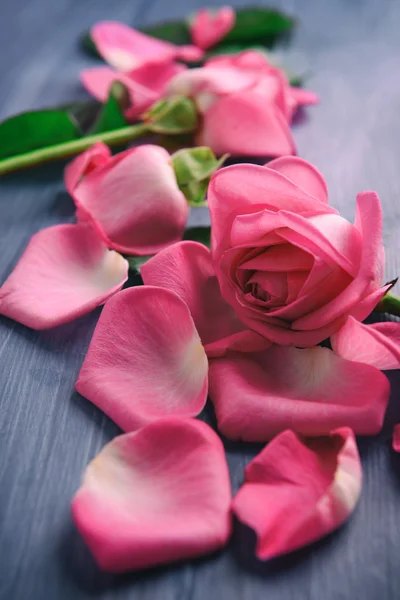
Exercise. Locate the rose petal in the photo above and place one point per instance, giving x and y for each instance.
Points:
(369, 223)
(301, 96)
(297, 492)
(303, 174)
(64, 272)
(125, 48)
(396, 438)
(186, 269)
(244, 124)
(145, 360)
(208, 28)
(244, 188)
(135, 201)
(154, 496)
(284, 257)
(377, 345)
(310, 391)
(96, 156)
(98, 82)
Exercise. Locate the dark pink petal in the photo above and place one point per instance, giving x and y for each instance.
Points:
(145, 360)
(299, 491)
(310, 391)
(244, 124)
(377, 345)
(396, 438)
(369, 224)
(135, 201)
(154, 496)
(303, 174)
(186, 269)
(209, 27)
(96, 156)
(65, 272)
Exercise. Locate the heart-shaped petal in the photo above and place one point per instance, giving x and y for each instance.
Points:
(209, 27)
(297, 492)
(65, 272)
(145, 360)
(303, 174)
(134, 200)
(154, 496)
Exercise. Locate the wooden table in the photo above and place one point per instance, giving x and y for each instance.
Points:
(48, 433)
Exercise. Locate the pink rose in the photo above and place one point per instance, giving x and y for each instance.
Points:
(209, 27)
(291, 267)
(246, 103)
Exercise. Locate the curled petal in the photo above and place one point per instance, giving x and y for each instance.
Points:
(208, 28)
(135, 201)
(244, 124)
(303, 174)
(310, 391)
(243, 189)
(369, 224)
(396, 438)
(145, 360)
(377, 345)
(96, 156)
(186, 269)
(154, 496)
(296, 492)
(65, 272)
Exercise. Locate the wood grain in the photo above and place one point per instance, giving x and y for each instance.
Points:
(48, 433)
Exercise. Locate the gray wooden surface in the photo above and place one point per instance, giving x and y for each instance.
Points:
(48, 433)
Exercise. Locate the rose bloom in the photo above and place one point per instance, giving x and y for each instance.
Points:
(247, 104)
(291, 267)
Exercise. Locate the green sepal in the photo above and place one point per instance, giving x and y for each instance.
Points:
(173, 116)
(193, 169)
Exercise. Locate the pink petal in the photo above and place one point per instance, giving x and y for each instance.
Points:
(244, 124)
(125, 48)
(98, 82)
(243, 189)
(65, 272)
(369, 223)
(396, 438)
(96, 156)
(310, 391)
(208, 28)
(186, 269)
(154, 496)
(297, 492)
(135, 201)
(303, 174)
(145, 360)
(284, 257)
(206, 85)
(377, 345)
(300, 96)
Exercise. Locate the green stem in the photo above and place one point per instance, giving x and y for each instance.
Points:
(389, 304)
(66, 149)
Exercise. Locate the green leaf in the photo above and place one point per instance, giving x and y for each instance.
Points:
(111, 115)
(176, 32)
(36, 129)
(257, 24)
(199, 234)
